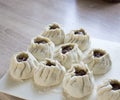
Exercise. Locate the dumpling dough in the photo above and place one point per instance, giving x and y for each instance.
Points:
(68, 54)
(54, 33)
(22, 66)
(80, 37)
(49, 73)
(41, 48)
(109, 90)
(78, 81)
(98, 61)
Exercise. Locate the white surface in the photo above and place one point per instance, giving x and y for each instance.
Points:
(27, 90)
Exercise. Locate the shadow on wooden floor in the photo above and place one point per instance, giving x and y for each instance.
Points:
(94, 4)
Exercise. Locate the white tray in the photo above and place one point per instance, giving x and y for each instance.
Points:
(27, 90)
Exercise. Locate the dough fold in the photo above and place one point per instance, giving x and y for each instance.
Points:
(78, 81)
(49, 73)
(109, 90)
(98, 61)
(41, 48)
(22, 66)
(55, 33)
(80, 37)
(68, 54)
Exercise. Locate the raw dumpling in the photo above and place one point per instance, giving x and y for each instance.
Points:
(80, 37)
(22, 66)
(41, 48)
(109, 90)
(68, 54)
(54, 33)
(49, 73)
(78, 81)
(98, 61)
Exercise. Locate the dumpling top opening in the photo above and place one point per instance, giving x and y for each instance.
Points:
(49, 63)
(80, 32)
(53, 26)
(22, 57)
(80, 72)
(98, 53)
(67, 48)
(40, 41)
(115, 85)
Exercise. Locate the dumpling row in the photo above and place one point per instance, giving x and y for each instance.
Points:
(78, 81)
(55, 33)
(46, 73)
(24, 65)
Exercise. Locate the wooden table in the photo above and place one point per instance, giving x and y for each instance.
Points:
(20, 20)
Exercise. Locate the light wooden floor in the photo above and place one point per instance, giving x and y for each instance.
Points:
(20, 20)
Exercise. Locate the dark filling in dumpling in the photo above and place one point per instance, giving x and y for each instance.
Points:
(80, 72)
(50, 63)
(80, 32)
(38, 40)
(41, 41)
(22, 57)
(67, 48)
(98, 53)
(115, 85)
(54, 26)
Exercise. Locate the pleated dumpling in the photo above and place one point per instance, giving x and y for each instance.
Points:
(80, 37)
(49, 73)
(78, 81)
(68, 54)
(55, 33)
(22, 66)
(109, 90)
(41, 48)
(98, 61)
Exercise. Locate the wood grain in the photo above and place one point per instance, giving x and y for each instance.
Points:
(20, 20)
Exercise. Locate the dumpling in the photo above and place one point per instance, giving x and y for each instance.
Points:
(98, 61)
(49, 73)
(80, 37)
(78, 81)
(68, 54)
(41, 48)
(22, 66)
(109, 90)
(54, 33)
